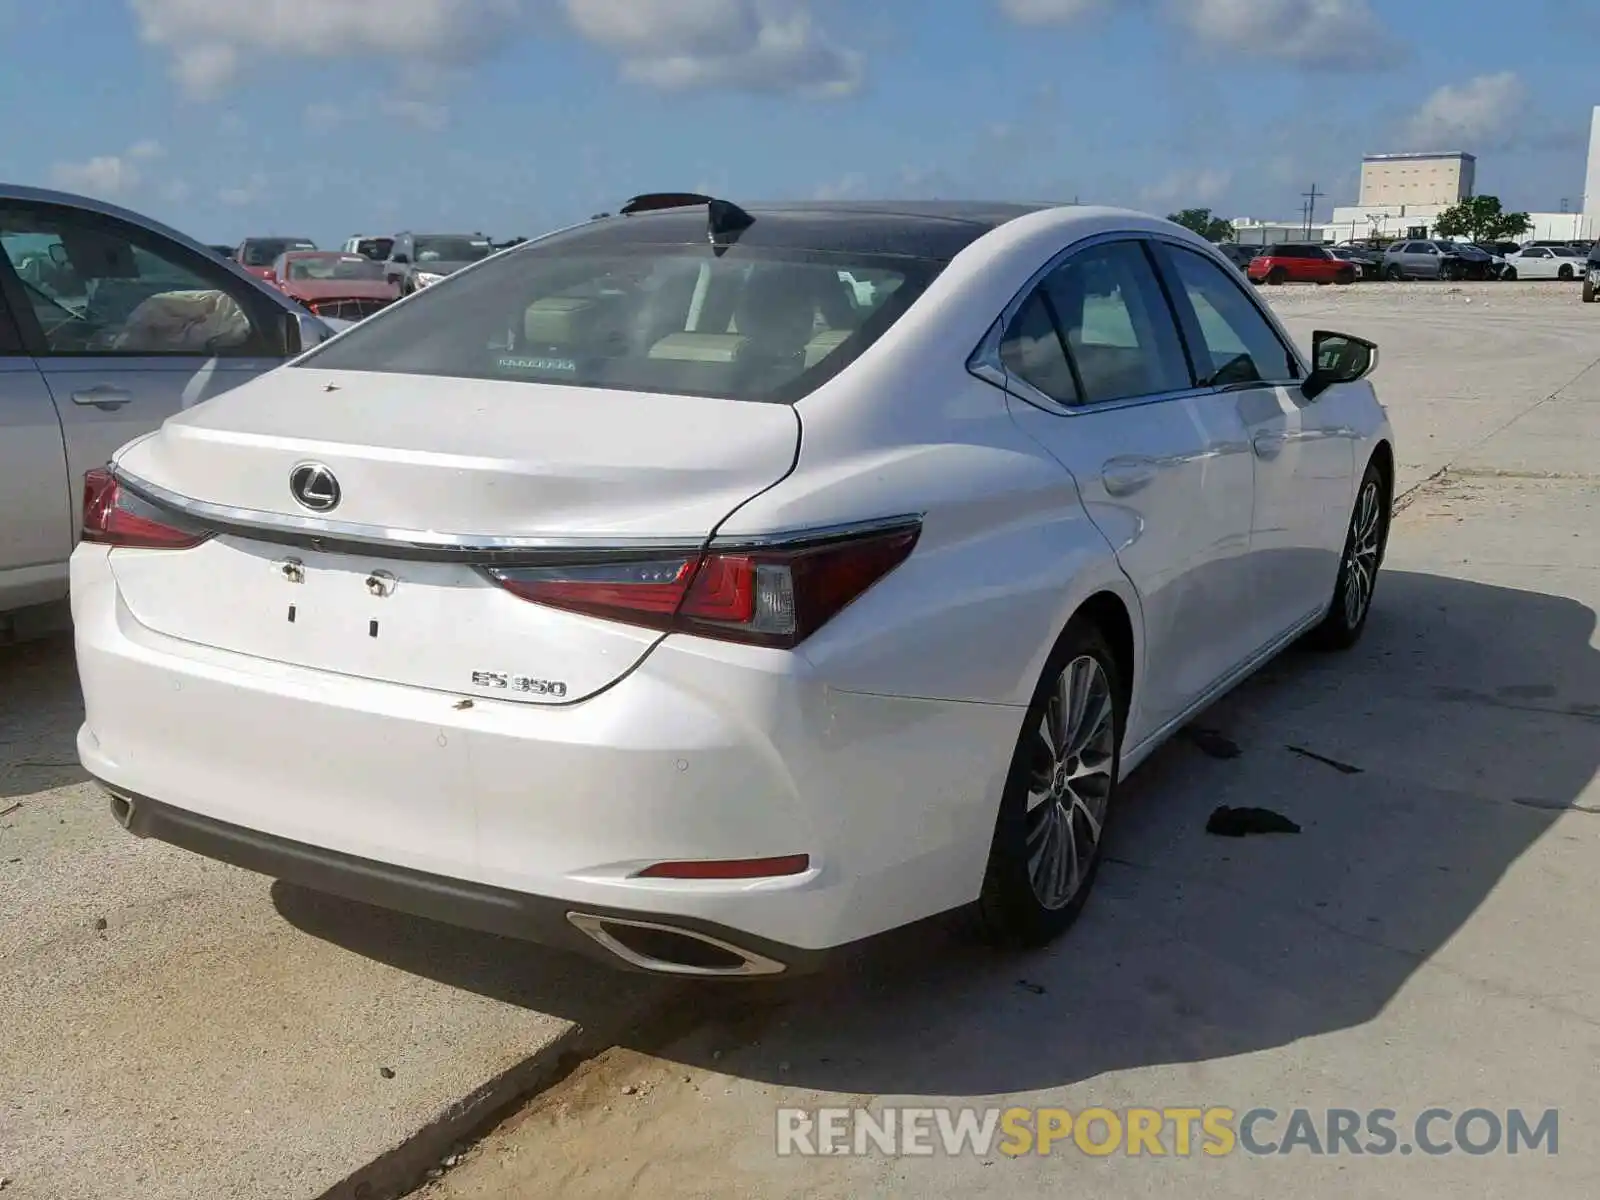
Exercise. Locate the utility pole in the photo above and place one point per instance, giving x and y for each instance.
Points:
(1310, 208)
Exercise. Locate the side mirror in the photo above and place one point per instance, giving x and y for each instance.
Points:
(400, 259)
(1337, 358)
(298, 332)
(58, 254)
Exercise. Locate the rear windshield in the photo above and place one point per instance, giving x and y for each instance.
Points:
(753, 323)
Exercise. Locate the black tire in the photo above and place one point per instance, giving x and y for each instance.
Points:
(1366, 540)
(1276, 276)
(1346, 278)
(1588, 292)
(1010, 911)
(1394, 274)
(1510, 275)
(1565, 274)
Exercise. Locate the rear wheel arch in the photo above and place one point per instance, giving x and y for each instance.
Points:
(1107, 612)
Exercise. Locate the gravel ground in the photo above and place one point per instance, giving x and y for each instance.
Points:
(1537, 295)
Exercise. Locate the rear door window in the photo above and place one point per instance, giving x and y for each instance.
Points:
(748, 323)
(1117, 325)
(95, 286)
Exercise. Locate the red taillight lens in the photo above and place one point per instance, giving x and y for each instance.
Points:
(766, 597)
(113, 516)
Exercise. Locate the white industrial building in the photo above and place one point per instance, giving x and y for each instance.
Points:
(1402, 195)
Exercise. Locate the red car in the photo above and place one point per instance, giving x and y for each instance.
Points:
(256, 255)
(1300, 264)
(331, 284)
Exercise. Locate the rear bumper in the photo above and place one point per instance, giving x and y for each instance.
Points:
(702, 752)
(541, 919)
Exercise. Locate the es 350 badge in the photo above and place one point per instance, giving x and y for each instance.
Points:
(500, 681)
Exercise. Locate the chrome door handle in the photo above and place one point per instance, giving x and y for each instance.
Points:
(102, 396)
(1268, 445)
(1124, 476)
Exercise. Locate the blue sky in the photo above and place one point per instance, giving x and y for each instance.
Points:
(333, 117)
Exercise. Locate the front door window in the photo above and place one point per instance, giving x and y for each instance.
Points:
(98, 287)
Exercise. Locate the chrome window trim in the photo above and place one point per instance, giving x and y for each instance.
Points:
(321, 533)
(984, 362)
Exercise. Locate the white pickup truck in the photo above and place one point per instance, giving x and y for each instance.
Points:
(109, 323)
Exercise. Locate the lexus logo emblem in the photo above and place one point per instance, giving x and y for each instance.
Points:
(313, 486)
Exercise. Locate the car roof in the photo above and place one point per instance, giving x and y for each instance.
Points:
(931, 229)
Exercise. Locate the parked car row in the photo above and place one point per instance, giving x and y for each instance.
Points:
(341, 283)
(1427, 258)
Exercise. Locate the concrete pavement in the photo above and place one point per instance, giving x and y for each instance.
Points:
(1426, 941)
(175, 1029)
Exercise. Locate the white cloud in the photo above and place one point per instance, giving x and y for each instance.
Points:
(423, 114)
(750, 45)
(106, 175)
(245, 194)
(206, 37)
(1187, 189)
(1484, 111)
(1319, 33)
(1049, 12)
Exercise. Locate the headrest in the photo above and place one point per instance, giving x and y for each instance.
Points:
(700, 347)
(554, 321)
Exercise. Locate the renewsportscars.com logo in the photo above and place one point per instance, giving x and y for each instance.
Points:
(1162, 1132)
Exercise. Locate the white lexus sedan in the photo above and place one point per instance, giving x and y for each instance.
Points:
(711, 588)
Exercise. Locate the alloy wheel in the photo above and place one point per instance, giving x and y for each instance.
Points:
(1069, 790)
(1361, 562)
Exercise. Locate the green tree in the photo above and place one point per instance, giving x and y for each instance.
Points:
(1481, 219)
(1201, 221)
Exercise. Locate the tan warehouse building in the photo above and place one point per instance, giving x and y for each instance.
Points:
(1420, 179)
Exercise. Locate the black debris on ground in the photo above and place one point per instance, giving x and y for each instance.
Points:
(1244, 822)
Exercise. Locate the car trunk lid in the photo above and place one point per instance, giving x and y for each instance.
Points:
(436, 478)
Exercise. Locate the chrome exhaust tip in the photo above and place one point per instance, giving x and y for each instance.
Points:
(122, 810)
(669, 950)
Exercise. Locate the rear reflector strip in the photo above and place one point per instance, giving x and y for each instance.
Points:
(730, 868)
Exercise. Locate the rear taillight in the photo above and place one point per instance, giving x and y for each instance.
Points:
(768, 597)
(114, 516)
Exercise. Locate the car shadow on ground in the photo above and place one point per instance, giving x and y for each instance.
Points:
(1421, 766)
(40, 711)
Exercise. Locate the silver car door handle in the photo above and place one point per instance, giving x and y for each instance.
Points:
(1268, 445)
(1124, 476)
(102, 396)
